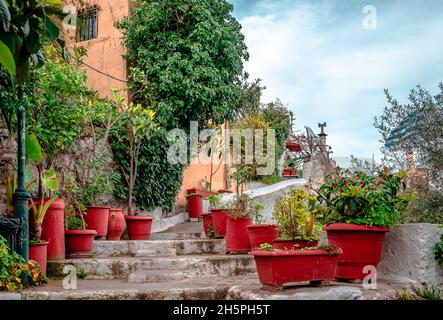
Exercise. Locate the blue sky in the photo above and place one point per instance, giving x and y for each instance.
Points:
(320, 60)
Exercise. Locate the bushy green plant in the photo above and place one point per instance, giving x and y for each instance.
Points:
(358, 198)
(75, 223)
(439, 249)
(423, 292)
(295, 215)
(257, 213)
(214, 200)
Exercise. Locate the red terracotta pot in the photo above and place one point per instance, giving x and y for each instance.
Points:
(116, 224)
(204, 193)
(237, 239)
(97, 218)
(39, 253)
(207, 222)
(139, 227)
(293, 146)
(361, 245)
(53, 229)
(219, 218)
(276, 268)
(287, 172)
(262, 233)
(79, 241)
(195, 206)
(293, 244)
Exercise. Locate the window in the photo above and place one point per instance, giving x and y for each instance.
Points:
(88, 25)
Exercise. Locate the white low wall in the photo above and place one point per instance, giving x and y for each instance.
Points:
(408, 254)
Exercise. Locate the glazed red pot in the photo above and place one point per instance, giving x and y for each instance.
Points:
(79, 241)
(362, 245)
(204, 193)
(219, 218)
(116, 224)
(293, 244)
(97, 218)
(237, 239)
(276, 268)
(207, 222)
(195, 206)
(262, 233)
(53, 229)
(139, 227)
(39, 253)
(287, 172)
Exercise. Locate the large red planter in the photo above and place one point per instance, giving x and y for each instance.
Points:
(219, 218)
(276, 268)
(195, 206)
(116, 224)
(39, 253)
(204, 193)
(139, 227)
(293, 244)
(79, 242)
(362, 245)
(237, 239)
(207, 222)
(262, 233)
(53, 229)
(97, 218)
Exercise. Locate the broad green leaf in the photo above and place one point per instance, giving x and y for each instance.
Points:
(6, 58)
(33, 149)
(49, 179)
(52, 30)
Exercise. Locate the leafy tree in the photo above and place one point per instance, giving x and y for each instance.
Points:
(187, 56)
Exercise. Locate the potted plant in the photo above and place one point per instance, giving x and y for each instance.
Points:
(195, 205)
(287, 170)
(139, 125)
(295, 217)
(116, 224)
(358, 210)
(261, 232)
(276, 268)
(79, 240)
(218, 216)
(208, 227)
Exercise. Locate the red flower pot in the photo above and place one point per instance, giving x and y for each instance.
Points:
(293, 244)
(293, 146)
(39, 253)
(195, 206)
(275, 268)
(53, 229)
(294, 173)
(116, 224)
(237, 239)
(79, 241)
(262, 233)
(207, 222)
(204, 193)
(139, 227)
(287, 172)
(361, 245)
(219, 218)
(97, 218)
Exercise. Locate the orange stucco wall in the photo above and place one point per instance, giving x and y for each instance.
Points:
(105, 53)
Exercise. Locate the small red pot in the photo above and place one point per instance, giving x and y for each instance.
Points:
(262, 233)
(139, 227)
(207, 222)
(237, 239)
(275, 268)
(287, 172)
(79, 241)
(361, 245)
(97, 218)
(116, 224)
(39, 253)
(293, 244)
(219, 218)
(53, 229)
(195, 206)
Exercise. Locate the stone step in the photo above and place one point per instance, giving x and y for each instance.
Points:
(105, 249)
(154, 276)
(122, 267)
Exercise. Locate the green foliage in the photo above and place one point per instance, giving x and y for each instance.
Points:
(361, 199)
(257, 213)
(82, 274)
(438, 249)
(427, 207)
(214, 200)
(424, 292)
(294, 215)
(13, 267)
(211, 233)
(194, 195)
(266, 247)
(74, 223)
(190, 62)
(239, 206)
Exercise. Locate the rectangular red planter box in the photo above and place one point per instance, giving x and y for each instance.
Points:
(276, 268)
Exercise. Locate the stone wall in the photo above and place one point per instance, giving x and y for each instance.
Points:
(8, 148)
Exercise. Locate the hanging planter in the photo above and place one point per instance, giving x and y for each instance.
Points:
(116, 224)
(219, 218)
(97, 218)
(293, 146)
(362, 245)
(237, 239)
(276, 268)
(39, 252)
(262, 233)
(195, 205)
(79, 242)
(139, 227)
